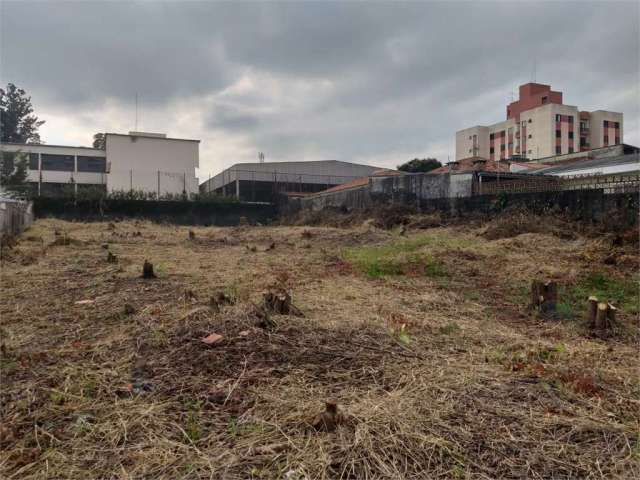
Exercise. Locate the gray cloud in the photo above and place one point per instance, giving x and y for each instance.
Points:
(372, 82)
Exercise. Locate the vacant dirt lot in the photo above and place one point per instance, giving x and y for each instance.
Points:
(421, 336)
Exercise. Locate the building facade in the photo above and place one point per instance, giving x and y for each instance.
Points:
(539, 125)
(138, 161)
(262, 182)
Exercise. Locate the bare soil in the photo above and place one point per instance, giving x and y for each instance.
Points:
(437, 373)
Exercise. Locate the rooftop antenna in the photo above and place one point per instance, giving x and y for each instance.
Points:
(261, 157)
(136, 124)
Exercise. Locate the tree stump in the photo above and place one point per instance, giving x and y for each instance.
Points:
(111, 258)
(544, 296)
(279, 301)
(147, 270)
(601, 315)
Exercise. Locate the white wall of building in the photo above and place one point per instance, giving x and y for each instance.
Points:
(597, 131)
(472, 142)
(152, 163)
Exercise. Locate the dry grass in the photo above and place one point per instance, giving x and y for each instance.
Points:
(440, 376)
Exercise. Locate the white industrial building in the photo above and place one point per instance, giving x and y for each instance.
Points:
(138, 161)
(261, 182)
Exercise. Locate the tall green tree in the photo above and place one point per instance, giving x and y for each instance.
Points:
(420, 165)
(18, 124)
(13, 171)
(100, 141)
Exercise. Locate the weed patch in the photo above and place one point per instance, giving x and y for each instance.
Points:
(398, 258)
(621, 292)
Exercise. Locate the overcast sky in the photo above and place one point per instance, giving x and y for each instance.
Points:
(377, 83)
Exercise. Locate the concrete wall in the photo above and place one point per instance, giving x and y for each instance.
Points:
(416, 190)
(15, 216)
(145, 156)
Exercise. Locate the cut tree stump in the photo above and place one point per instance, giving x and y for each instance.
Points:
(147, 270)
(601, 315)
(544, 296)
(279, 301)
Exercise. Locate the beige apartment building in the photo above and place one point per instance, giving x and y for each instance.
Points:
(539, 125)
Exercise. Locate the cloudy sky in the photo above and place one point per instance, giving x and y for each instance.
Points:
(377, 83)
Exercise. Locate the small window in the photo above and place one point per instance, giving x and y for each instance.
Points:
(33, 161)
(558, 133)
(617, 125)
(524, 124)
(502, 133)
(529, 120)
(530, 136)
(492, 150)
(469, 150)
(545, 100)
(502, 147)
(583, 142)
(491, 136)
(606, 124)
(558, 117)
(570, 149)
(570, 119)
(558, 149)
(571, 134)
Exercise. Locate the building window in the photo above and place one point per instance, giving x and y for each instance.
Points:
(529, 120)
(529, 135)
(606, 124)
(571, 134)
(583, 125)
(524, 124)
(93, 164)
(570, 149)
(570, 119)
(606, 140)
(502, 147)
(59, 163)
(33, 161)
(558, 149)
(583, 142)
(558, 117)
(491, 136)
(558, 133)
(617, 140)
(491, 150)
(545, 100)
(616, 125)
(502, 133)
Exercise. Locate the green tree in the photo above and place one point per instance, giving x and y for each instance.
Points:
(18, 124)
(13, 171)
(100, 141)
(420, 165)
